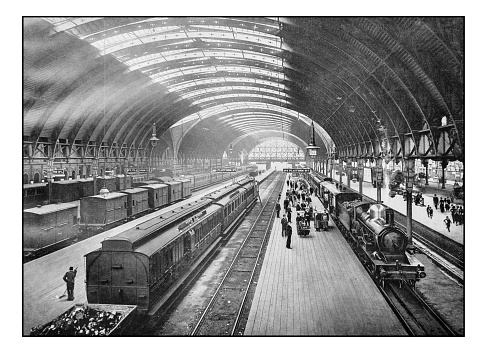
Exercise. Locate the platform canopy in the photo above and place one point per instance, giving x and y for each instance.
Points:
(368, 84)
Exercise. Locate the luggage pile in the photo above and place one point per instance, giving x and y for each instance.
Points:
(80, 321)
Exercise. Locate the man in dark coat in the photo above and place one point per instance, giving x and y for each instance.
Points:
(435, 201)
(69, 279)
(286, 204)
(278, 209)
(289, 232)
(289, 214)
(283, 225)
(447, 222)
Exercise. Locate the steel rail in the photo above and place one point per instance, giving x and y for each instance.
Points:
(211, 303)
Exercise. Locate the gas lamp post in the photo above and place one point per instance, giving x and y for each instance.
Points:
(153, 141)
(312, 148)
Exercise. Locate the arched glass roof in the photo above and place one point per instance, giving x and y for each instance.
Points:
(360, 79)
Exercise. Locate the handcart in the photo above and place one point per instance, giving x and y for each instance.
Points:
(302, 226)
(321, 220)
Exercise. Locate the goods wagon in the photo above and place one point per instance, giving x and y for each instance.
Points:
(99, 211)
(47, 228)
(136, 201)
(108, 182)
(34, 194)
(65, 190)
(123, 182)
(157, 195)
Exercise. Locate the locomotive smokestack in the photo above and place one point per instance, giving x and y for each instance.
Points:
(390, 216)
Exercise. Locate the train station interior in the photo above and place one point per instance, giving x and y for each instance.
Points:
(375, 105)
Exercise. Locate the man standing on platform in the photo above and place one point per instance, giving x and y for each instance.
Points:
(435, 201)
(283, 225)
(289, 214)
(278, 209)
(289, 232)
(69, 279)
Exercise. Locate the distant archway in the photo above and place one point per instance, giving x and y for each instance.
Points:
(25, 178)
(276, 150)
(37, 178)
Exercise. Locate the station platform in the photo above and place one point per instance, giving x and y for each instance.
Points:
(317, 288)
(43, 277)
(457, 232)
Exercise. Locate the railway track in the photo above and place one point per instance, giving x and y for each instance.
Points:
(417, 317)
(224, 312)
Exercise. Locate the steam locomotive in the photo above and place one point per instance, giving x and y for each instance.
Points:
(381, 246)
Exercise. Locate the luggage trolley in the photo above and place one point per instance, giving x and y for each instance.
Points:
(303, 228)
(321, 220)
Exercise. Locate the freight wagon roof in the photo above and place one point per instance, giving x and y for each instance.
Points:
(51, 208)
(145, 229)
(133, 191)
(111, 195)
(61, 182)
(170, 234)
(32, 186)
(154, 186)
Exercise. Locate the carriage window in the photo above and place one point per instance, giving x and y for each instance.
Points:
(133, 203)
(156, 196)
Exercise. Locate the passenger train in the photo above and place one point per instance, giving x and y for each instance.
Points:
(137, 266)
(79, 213)
(369, 226)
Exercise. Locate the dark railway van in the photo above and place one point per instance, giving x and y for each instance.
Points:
(186, 188)
(108, 182)
(157, 195)
(122, 182)
(65, 191)
(49, 227)
(100, 210)
(85, 187)
(137, 266)
(136, 201)
(34, 194)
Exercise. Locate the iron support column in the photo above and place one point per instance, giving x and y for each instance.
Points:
(340, 171)
(444, 163)
(425, 164)
(409, 172)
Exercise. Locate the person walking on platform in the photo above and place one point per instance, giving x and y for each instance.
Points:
(289, 233)
(431, 212)
(287, 181)
(286, 204)
(435, 201)
(289, 214)
(69, 279)
(278, 209)
(283, 225)
(428, 210)
(447, 222)
(442, 205)
(447, 206)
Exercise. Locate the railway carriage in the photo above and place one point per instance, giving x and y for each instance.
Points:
(47, 228)
(138, 265)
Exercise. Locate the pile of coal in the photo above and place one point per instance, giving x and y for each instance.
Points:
(80, 321)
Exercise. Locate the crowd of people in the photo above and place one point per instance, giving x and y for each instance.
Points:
(446, 205)
(299, 196)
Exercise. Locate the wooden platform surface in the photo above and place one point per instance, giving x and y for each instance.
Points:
(317, 288)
